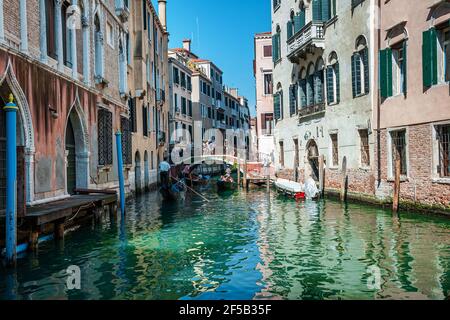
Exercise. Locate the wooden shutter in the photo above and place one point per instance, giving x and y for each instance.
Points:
(274, 48)
(429, 57)
(338, 83)
(405, 68)
(365, 58)
(326, 7)
(386, 72)
(330, 85)
(299, 22)
(353, 76)
(277, 106)
(302, 19)
(289, 29)
(317, 10)
(293, 99)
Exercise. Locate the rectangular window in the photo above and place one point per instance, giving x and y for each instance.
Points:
(145, 121)
(190, 108)
(183, 79)
(267, 51)
(183, 105)
(267, 123)
(189, 83)
(105, 134)
(398, 144)
(443, 133)
(334, 149)
(268, 84)
(398, 69)
(176, 75)
(365, 148)
(175, 102)
(444, 55)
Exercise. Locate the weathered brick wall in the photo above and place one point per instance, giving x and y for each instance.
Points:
(420, 186)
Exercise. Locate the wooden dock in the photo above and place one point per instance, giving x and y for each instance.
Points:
(55, 217)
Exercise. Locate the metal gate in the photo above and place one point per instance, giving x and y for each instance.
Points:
(2, 160)
(71, 159)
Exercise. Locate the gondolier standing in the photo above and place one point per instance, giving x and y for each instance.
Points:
(164, 168)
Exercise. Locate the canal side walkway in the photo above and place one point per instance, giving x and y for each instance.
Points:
(53, 218)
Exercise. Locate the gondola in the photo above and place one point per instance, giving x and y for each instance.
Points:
(225, 186)
(172, 192)
(197, 181)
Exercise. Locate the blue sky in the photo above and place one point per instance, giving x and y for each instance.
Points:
(221, 31)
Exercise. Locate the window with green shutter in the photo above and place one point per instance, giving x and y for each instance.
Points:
(277, 106)
(429, 58)
(338, 82)
(289, 30)
(386, 72)
(293, 89)
(330, 85)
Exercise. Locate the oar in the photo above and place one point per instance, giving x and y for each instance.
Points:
(200, 195)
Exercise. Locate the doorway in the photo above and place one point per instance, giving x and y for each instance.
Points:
(313, 159)
(71, 169)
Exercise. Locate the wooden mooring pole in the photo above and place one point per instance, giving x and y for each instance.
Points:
(396, 200)
(344, 180)
(245, 175)
(322, 175)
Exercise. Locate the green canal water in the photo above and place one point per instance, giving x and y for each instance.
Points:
(243, 246)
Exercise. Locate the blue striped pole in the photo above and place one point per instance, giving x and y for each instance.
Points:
(11, 182)
(120, 171)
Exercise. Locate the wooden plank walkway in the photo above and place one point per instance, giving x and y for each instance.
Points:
(53, 211)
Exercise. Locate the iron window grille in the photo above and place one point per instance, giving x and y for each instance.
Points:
(105, 134)
(444, 150)
(399, 149)
(126, 141)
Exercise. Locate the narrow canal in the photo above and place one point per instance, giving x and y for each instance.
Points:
(243, 246)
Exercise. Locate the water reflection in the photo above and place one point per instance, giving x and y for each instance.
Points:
(243, 246)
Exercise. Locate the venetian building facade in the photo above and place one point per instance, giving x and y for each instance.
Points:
(71, 66)
(60, 59)
(413, 116)
(323, 53)
(181, 122)
(263, 72)
(148, 93)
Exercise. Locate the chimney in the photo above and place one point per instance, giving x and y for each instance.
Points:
(162, 13)
(187, 44)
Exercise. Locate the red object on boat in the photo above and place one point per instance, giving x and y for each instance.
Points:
(300, 196)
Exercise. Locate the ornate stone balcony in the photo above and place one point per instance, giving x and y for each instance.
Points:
(306, 40)
(313, 110)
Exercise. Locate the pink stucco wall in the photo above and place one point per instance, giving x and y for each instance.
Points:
(421, 105)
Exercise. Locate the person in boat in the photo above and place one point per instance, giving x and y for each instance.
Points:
(164, 168)
(187, 171)
(227, 177)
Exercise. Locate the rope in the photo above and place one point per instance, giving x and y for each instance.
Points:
(79, 209)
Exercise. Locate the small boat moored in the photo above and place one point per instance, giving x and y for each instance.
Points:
(291, 189)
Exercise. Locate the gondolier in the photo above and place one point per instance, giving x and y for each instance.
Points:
(164, 168)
